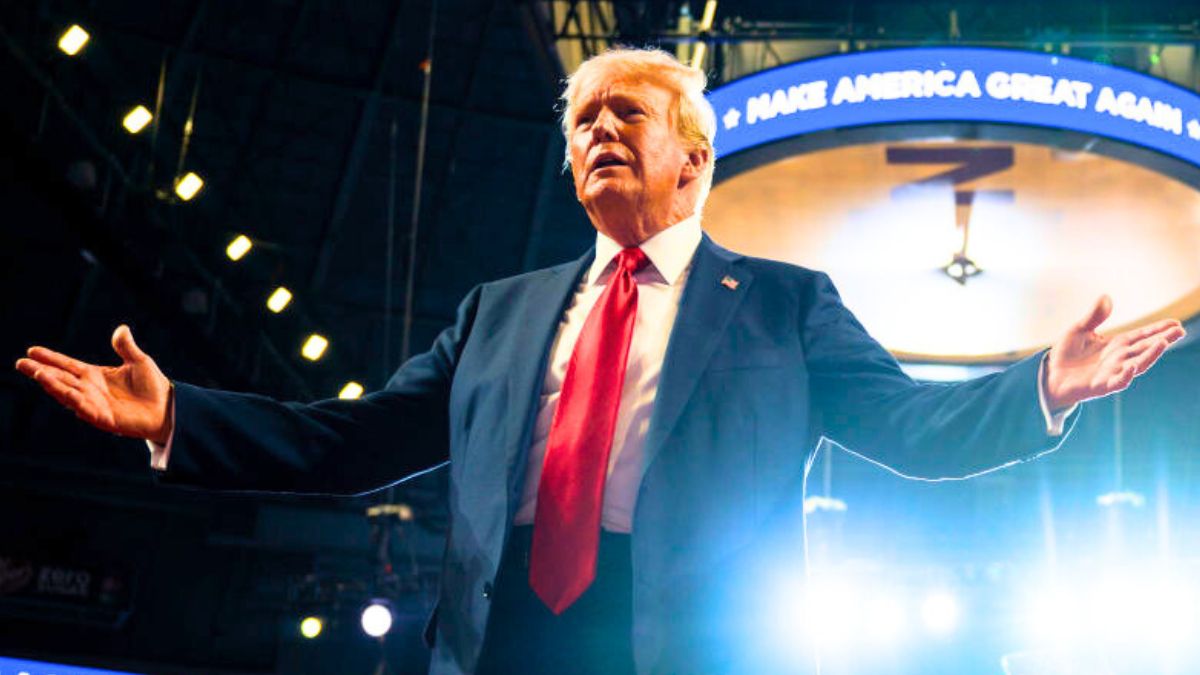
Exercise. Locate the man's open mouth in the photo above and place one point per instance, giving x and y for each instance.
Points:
(607, 160)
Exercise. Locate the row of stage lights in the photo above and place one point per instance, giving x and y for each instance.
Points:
(187, 186)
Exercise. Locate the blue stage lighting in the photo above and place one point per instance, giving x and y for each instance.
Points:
(885, 621)
(940, 612)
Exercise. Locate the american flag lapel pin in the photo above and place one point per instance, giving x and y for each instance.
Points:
(729, 282)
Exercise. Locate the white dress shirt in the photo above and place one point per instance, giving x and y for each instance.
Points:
(660, 286)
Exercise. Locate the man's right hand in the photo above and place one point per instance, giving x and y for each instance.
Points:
(132, 399)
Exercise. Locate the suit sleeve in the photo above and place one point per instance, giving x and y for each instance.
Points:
(863, 401)
(232, 441)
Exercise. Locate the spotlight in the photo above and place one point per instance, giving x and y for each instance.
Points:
(351, 390)
(73, 40)
(940, 612)
(885, 620)
(830, 612)
(1054, 616)
(311, 627)
(188, 185)
(1143, 606)
(137, 119)
(377, 618)
(961, 268)
(1122, 498)
(239, 247)
(314, 347)
(279, 300)
(819, 503)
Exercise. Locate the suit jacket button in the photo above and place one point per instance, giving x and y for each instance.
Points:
(487, 590)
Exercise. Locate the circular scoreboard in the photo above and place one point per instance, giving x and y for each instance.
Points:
(970, 204)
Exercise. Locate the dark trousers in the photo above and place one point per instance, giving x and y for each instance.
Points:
(594, 635)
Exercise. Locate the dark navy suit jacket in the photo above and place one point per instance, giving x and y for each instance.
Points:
(752, 378)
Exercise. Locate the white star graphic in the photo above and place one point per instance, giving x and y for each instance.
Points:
(1194, 129)
(731, 118)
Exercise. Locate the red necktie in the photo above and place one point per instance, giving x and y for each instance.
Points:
(566, 525)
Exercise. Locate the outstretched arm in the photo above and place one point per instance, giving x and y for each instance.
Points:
(865, 401)
(226, 440)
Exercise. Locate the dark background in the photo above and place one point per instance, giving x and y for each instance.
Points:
(306, 126)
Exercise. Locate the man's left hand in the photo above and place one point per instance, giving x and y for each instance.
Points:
(1084, 364)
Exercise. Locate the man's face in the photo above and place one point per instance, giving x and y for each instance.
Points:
(625, 151)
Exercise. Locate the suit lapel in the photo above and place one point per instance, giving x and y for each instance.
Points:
(715, 288)
(546, 302)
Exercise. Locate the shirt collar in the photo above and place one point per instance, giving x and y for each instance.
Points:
(669, 251)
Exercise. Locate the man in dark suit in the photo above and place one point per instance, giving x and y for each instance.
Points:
(628, 433)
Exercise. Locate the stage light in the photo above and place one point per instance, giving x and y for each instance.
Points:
(73, 40)
(885, 619)
(1121, 497)
(311, 627)
(279, 300)
(830, 612)
(239, 247)
(1054, 616)
(1143, 607)
(940, 613)
(710, 13)
(314, 347)
(1172, 609)
(706, 21)
(819, 503)
(784, 604)
(1129, 609)
(188, 185)
(351, 390)
(137, 119)
(376, 619)
(961, 268)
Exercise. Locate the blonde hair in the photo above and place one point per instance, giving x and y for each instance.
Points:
(695, 121)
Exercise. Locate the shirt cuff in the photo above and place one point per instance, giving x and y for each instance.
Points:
(1055, 420)
(159, 454)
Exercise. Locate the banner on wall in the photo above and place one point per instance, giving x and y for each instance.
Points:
(63, 590)
(957, 84)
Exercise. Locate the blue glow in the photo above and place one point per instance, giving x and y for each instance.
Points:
(818, 503)
(940, 612)
(1134, 499)
(946, 372)
(957, 84)
(18, 666)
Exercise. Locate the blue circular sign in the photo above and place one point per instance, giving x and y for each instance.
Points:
(957, 84)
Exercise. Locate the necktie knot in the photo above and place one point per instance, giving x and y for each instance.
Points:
(631, 259)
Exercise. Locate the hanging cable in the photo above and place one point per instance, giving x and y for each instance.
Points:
(390, 251)
(383, 535)
(410, 284)
(188, 125)
(158, 105)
